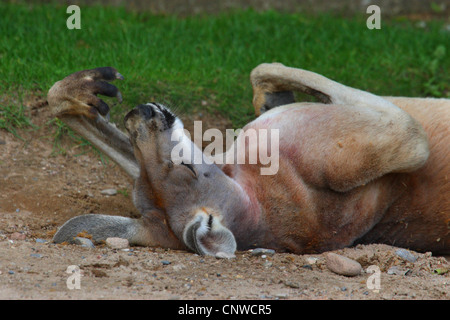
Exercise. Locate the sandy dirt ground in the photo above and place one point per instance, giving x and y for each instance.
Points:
(41, 189)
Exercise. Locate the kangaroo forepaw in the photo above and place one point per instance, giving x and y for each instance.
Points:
(77, 93)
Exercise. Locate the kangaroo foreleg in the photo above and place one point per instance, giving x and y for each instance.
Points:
(74, 100)
(108, 138)
(151, 230)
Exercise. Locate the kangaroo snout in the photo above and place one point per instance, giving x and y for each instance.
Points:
(154, 115)
(144, 111)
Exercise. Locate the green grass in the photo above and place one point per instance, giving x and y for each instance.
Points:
(63, 132)
(13, 117)
(183, 61)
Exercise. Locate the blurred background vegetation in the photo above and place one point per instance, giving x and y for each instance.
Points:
(197, 55)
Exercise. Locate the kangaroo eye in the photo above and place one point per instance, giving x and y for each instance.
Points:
(190, 167)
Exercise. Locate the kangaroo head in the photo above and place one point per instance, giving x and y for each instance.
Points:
(194, 195)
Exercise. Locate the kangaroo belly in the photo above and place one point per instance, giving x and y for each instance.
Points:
(300, 218)
(420, 218)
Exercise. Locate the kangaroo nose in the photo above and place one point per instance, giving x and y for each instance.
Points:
(143, 110)
(146, 111)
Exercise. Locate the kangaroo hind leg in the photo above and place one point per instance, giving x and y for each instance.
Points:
(274, 85)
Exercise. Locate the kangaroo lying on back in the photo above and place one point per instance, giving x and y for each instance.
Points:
(354, 168)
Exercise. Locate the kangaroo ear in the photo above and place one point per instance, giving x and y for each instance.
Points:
(205, 235)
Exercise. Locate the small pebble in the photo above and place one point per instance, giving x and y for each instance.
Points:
(291, 284)
(117, 243)
(406, 255)
(178, 267)
(311, 260)
(261, 251)
(109, 192)
(17, 236)
(395, 270)
(343, 265)
(225, 255)
(84, 242)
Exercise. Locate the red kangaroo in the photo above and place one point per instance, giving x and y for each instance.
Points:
(354, 168)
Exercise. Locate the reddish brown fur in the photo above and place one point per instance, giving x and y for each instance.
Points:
(404, 209)
(420, 218)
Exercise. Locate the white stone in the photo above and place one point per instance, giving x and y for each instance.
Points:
(343, 265)
(117, 243)
(109, 192)
(225, 255)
